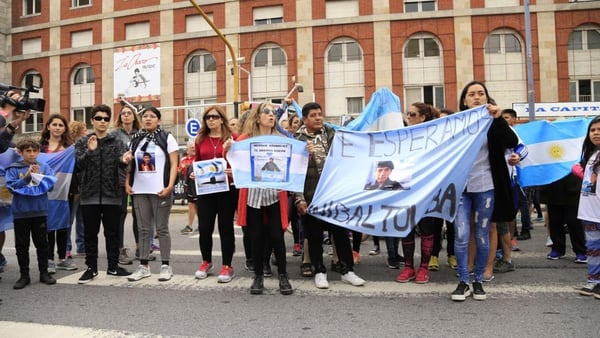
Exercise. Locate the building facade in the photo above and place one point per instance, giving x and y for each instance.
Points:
(162, 52)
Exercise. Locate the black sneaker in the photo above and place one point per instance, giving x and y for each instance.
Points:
(87, 276)
(393, 263)
(118, 272)
(249, 265)
(21, 283)
(285, 288)
(525, 235)
(257, 285)
(478, 293)
(47, 279)
(461, 293)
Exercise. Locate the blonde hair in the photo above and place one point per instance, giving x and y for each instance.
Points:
(251, 125)
(77, 128)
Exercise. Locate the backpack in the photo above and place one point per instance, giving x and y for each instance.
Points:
(161, 140)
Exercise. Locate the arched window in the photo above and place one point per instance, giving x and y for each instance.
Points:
(344, 77)
(584, 58)
(423, 70)
(200, 80)
(505, 70)
(83, 89)
(269, 73)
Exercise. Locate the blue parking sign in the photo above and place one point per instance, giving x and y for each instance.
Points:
(192, 126)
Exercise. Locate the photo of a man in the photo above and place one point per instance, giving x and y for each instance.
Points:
(382, 178)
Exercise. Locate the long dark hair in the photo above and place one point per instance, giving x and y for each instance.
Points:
(588, 148)
(65, 138)
(461, 101)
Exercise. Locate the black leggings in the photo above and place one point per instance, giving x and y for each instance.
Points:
(208, 206)
(260, 233)
(60, 238)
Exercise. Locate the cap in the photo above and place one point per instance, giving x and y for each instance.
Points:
(385, 164)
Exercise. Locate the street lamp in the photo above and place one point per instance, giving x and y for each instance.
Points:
(240, 61)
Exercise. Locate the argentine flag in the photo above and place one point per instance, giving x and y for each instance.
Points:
(553, 149)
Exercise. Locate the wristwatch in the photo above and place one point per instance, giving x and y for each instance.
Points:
(11, 128)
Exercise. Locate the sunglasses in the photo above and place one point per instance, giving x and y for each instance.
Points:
(212, 117)
(412, 114)
(126, 112)
(268, 111)
(102, 118)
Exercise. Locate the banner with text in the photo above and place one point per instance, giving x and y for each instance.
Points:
(383, 183)
(137, 73)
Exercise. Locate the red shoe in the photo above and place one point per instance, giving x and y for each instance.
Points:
(406, 275)
(422, 276)
(297, 249)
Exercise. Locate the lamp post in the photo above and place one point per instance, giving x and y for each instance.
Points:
(530, 88)
(240, 61)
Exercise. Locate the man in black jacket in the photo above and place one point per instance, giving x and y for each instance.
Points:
(99, 157)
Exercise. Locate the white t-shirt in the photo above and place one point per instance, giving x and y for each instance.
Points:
(589, 200)
(150, 166)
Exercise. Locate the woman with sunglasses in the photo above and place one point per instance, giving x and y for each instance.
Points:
(55, 138)
(487, 196)
(126, 125)
(214, 132)
(264, 211)
(418, 113)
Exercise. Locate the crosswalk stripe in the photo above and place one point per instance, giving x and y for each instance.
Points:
(10, 329)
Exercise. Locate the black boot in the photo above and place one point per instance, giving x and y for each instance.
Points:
(285, 288)
(257, 285)
(47, 279)
(22, 282)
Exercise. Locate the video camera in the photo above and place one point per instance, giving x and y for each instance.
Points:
(26, 103)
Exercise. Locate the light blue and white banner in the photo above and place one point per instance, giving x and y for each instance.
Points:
(430, 163)
(58, 199)
(269, 162)
(553, 149)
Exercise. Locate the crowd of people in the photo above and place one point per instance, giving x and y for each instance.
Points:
(137, 163)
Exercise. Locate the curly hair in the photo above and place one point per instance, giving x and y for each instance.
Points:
(77, 129)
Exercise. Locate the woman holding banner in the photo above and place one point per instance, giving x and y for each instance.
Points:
(264, 211)
(209, 144)
(487, 196)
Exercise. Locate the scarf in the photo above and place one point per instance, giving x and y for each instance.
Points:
(150, 137)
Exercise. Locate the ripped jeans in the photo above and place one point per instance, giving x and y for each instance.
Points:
(479, 205)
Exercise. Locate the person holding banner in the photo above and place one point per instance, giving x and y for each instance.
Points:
(487, 196)
(56, 137)
(264, 211)
(318, 138)
(214, 132)
(589, 205)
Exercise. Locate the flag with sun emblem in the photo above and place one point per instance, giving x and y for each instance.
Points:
(553, 148)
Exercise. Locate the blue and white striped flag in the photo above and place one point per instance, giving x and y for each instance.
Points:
(269, 162)
(6, 220)
(553, 149)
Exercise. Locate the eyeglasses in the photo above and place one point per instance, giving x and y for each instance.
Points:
(268, 111)
(212, 117)
(126, 112)
(102, 118)
(412, 114)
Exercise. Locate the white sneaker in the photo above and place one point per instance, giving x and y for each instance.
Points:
(351, 278)
(165, 273)
(549, 242)
(321, 281)
(141, 272)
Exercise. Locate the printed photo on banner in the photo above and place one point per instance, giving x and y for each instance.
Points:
(389, 175)
(210, 176)
(270, 161)
(137, 73)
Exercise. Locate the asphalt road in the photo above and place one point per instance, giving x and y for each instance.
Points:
(536, 300)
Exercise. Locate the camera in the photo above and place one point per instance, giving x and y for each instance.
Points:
(25, 103)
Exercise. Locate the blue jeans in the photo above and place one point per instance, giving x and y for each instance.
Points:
(481, 206)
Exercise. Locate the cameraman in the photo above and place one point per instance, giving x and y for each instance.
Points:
(8, 108)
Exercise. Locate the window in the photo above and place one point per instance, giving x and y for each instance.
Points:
(344, 51)
(138, 30)
(419, 6)
(421, 47)
(196, 23)
(267, 15)
(82, 114)
(584, 91)
(501, 3)
(81, 3)
(430, 94)
(32, 7)
(269, 72)
(502, 43)
(83, 89)
(35, 122)
(204, 63)
(354, 105)
(341, 9)
(83, 75)
(201, 78)
(82, 39)
(585, 39)
(270, 57)
(31, 46)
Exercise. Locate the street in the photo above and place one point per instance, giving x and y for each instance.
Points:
(536, 300)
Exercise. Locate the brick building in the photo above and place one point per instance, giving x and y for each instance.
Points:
(83, 52)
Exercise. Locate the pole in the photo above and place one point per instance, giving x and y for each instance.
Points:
(233, 57)
(530, 88)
